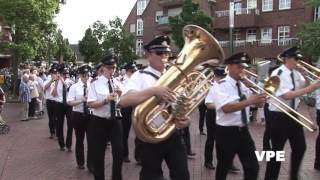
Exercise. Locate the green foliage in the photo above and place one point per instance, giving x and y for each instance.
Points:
(314, 3)
(310, 37)
(191, 14)
(101, 40)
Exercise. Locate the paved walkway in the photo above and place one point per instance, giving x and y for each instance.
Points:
(26, 153)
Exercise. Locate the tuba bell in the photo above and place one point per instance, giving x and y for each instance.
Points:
(190, 78)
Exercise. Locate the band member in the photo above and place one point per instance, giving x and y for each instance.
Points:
(232, 100)
(202, 114)
(102, 97)
(282, 127)
(50, 103)
(77, 98)
(126, 113)
(140, 88)
(61, 108)
(211, 125)
(317, 159)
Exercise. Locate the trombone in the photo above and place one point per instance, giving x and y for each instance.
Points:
(307, 68)
(270, 86)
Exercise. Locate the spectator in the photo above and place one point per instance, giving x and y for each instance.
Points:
(24, 96)
(34, 94)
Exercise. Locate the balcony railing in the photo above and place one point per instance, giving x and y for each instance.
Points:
(163, 20)
(260, 42)
(243, 11)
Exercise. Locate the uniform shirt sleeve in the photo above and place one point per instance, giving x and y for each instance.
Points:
(134, 83)
(222, 97)
(300, 80)
(92, 94)
(72, 93)
(210, 96)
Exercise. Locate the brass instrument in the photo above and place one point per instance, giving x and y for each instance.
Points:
(270, 86)
(153, 120)
(307, 68)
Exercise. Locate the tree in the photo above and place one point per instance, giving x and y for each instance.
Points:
(310, 35)
(90, 47)
(64, 52)
(191, 14)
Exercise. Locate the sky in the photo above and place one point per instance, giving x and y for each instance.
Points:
(77, 15)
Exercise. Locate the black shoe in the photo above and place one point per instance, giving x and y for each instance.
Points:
(51, 136)
(202, 133)
(69, 149)
(209, 166)
(62, 149)
(234, 169)
(126, 159)
(80, 167)
(317, 167)
(90, 169)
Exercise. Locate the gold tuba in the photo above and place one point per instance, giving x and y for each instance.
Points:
(153, 119)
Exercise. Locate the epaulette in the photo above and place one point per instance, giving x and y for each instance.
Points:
(279, 72)
(221, 81)
(94, 79)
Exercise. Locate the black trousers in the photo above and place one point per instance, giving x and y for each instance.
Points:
(234, 140)
(266, 135)
(317, 160)
(283, 128)
(63, 110)
(172, 151)
(211, 127)
(32, 107)
(185, 132)
(107, 129)
(202, 113)
(126, 125)
(52, 116)
(80, 124)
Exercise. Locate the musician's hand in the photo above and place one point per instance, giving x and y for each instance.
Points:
(314, 86)
(165, 93)
(258, 99)
(112, 97)
(182, 123)
(118, 91)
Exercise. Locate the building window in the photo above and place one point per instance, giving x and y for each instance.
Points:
(141, 6)
(158, 15)
(251, 4)
(238, 8)
(174, 11)
(139, 27)
(284, 4)
(283, 35)
(251, 35)
(132, 28)
(139, 44)
(267, 5)
(266, 35)
(236, 35)
(317, 13)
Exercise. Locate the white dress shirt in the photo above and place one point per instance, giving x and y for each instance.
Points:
(76, 93)
(140, 81)
(317, 94)
(286, 85)
(59, 97)
(99, 90)
(48, 91)
(225, 92)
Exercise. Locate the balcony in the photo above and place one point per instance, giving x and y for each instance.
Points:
(163, 24)
(169, 3)
(243, 18)
(262, 48)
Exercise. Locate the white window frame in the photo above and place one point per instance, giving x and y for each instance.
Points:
(139, 27)
(158, 15)
(238, 8)
(284, 4)
(139, 45)
(141, 6)
(317, 13)
(283, 35)
(267, 5)
(251, 4)
(248, 33)
(266, 32)
(132, 28)
(236, 35)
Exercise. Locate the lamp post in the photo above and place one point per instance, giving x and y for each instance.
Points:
(231, 22)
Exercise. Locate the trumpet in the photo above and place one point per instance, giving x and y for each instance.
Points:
(270, 87)
(307, 68)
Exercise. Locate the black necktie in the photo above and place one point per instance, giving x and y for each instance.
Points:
(112, 103)
(294, 87)
(64, 94)
(243, 111)
(85, 107)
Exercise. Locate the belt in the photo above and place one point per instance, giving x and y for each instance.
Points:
(233, 128)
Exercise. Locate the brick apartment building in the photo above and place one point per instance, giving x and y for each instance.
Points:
(5, 35)
(263, 28)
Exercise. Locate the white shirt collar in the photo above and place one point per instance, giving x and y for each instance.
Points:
(231, 80)
(154, 71)
(285, 69)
